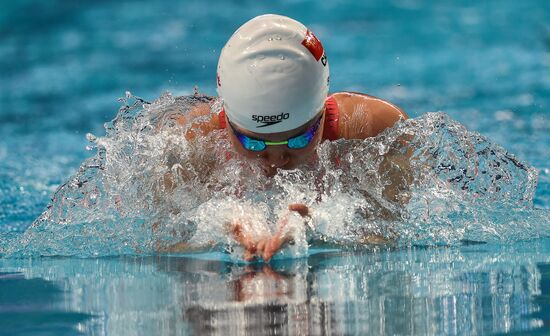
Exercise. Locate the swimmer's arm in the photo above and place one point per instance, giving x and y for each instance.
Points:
(396, 166)
(199, 125)
(282, 237)
(362, 116)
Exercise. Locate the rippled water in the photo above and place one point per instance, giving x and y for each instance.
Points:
(478, 289)
(482, 175)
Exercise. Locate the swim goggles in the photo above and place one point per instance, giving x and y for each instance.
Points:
(297, 142)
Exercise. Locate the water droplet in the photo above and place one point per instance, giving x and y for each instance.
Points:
(90, 137)
(282, 57)
(270, 38)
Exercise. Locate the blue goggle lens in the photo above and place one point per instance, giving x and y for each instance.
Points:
(251, 144)
(300, 141)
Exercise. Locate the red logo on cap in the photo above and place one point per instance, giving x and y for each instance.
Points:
(312, 43)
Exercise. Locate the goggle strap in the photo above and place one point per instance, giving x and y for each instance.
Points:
(276, 142)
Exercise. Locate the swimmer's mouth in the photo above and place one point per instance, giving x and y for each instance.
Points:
(271, 169)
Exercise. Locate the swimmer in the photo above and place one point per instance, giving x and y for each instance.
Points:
(273, 78)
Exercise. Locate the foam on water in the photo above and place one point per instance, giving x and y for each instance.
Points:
(148, 188)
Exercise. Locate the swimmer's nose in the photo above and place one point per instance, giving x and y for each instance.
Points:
(277, 158)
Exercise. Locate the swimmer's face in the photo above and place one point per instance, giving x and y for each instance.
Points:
(279, 156)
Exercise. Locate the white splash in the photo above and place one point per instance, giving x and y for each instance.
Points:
(425, 181)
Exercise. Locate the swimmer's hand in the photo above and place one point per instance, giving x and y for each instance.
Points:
(300, 208)
(266, 246)
(251, 245)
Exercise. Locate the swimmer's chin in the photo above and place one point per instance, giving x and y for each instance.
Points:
(271, 171)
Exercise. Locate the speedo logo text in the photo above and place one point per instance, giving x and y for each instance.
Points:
(268, 120)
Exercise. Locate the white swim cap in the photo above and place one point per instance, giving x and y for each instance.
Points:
(272, 75)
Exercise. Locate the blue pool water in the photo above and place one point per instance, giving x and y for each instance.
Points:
(63, 66)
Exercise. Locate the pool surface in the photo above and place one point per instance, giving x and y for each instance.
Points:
(63, 66)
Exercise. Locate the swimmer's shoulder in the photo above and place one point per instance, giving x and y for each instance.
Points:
(199, 108)
(202, 118)
(362, 116)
